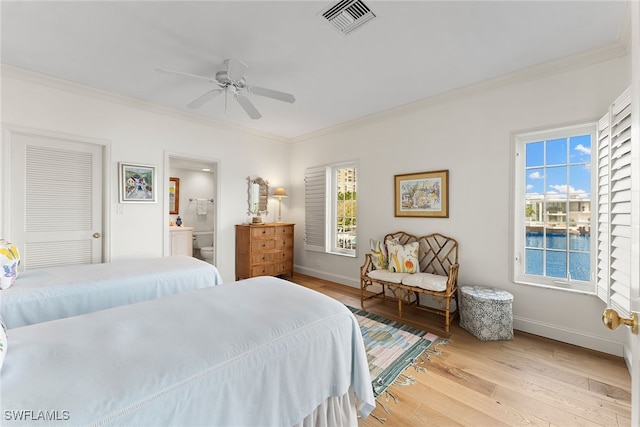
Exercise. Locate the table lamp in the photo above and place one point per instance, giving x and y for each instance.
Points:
(279, 193)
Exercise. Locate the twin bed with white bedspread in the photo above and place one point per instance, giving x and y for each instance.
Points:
(258, 352)
(54, 293)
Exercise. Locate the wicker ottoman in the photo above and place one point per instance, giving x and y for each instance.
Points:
(486, 312)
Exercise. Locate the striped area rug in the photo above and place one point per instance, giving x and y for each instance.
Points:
(391, 348)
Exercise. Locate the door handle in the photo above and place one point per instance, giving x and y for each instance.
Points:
(96, 235)
(612, 320)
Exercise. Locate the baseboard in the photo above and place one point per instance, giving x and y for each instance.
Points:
(322, 274)
(569, 336)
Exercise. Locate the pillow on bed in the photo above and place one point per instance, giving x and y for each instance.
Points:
(378, 255)
(402, 258)
(3, 341)
(9, 261)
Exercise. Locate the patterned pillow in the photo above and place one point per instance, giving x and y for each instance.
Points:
(378, 255)
(402, 259)
(9, 261)
(3, 341)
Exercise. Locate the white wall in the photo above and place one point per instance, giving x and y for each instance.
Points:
(139, 133)
(468, 133)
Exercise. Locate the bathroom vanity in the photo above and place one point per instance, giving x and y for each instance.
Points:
(180, 240)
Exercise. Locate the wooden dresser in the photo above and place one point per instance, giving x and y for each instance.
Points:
(264, 250)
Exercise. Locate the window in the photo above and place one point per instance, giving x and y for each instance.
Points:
(331, 209)
(343, 212)
(553, 215)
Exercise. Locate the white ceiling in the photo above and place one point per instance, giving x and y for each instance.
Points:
(411, 51)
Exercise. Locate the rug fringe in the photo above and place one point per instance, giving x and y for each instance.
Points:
(406, 380)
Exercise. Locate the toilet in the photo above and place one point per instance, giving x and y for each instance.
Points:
(203, 241)
(207, 253)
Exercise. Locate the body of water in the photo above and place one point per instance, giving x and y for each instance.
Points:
(552, 257)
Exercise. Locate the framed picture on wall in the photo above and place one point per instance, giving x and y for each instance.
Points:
(174, 196)
(424, 194)
(137, 183)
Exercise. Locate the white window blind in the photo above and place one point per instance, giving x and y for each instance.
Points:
(616, 194)
(602, 209)
(315, 209)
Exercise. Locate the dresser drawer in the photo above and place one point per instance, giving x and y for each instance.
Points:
(258, 232)
(284, 267)
(283, 230)
(263, 270)
(262, 245)
(263, 257)
(284, 242)
(282, 255)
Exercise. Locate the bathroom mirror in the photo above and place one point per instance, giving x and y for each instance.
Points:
(258, 196)
(174, 195)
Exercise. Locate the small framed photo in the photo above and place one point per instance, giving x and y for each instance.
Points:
(137, 183)
(424, 194)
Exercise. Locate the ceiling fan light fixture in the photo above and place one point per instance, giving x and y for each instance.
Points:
(231, 79)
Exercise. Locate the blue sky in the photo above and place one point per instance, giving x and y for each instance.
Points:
(567, 165)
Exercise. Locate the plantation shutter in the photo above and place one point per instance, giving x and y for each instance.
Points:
(315, 209)
(619, 205)
(602, 209)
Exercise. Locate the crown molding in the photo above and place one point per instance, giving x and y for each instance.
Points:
(615, 50)
(103, 95)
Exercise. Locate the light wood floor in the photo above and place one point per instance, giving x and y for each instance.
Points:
(527, 381)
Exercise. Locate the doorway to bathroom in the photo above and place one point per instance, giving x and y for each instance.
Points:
(191, 190)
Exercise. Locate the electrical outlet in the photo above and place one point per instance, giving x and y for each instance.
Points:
(120, 209)
(317, 262)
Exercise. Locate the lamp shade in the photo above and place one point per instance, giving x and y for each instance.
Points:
(279, 192)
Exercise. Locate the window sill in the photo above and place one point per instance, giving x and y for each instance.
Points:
(585, 289)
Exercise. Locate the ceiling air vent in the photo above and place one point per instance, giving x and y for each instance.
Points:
(347, 15)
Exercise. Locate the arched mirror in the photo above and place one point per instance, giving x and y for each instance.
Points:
(258, 193)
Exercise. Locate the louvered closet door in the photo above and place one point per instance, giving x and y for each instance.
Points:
(56, 196)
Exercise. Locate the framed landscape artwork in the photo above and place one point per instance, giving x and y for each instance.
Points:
(137, 183)
(424, 194)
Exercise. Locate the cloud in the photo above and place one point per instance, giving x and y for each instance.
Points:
(529, 187)
(564, 189)
(536, 175)
(584, 150)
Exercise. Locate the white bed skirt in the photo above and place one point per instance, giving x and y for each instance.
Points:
(334, 412)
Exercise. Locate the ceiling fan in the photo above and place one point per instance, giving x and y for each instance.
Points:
(231, 80)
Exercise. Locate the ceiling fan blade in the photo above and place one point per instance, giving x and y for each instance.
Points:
(201, 100)
(180, 73)
(270, 93)
(235, 69)
(248, 106)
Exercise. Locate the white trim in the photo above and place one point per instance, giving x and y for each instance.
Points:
(568, 335)
(322, 274)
